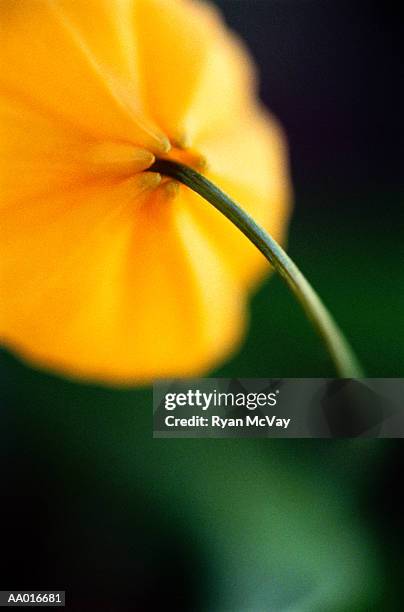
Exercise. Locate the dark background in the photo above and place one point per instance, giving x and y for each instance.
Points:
(93, 505)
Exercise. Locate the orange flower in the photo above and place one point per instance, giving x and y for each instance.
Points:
(110, 272)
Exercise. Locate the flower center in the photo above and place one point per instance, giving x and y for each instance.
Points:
(188, 157)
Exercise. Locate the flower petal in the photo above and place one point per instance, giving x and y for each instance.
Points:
(250, 164)
(74, 60)
(173, 48)
(134, 288)
(39, 156)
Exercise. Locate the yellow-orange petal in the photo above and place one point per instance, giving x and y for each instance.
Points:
(227, 83)
(172, 46)
(133, 288)
(74, 61)
(250, 165)
(39, 156)
(61, 273)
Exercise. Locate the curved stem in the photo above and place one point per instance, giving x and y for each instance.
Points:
(346, 364)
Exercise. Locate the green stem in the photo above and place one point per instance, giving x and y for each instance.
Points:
(346, 364)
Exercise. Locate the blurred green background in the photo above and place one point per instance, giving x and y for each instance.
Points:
(92, 504)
